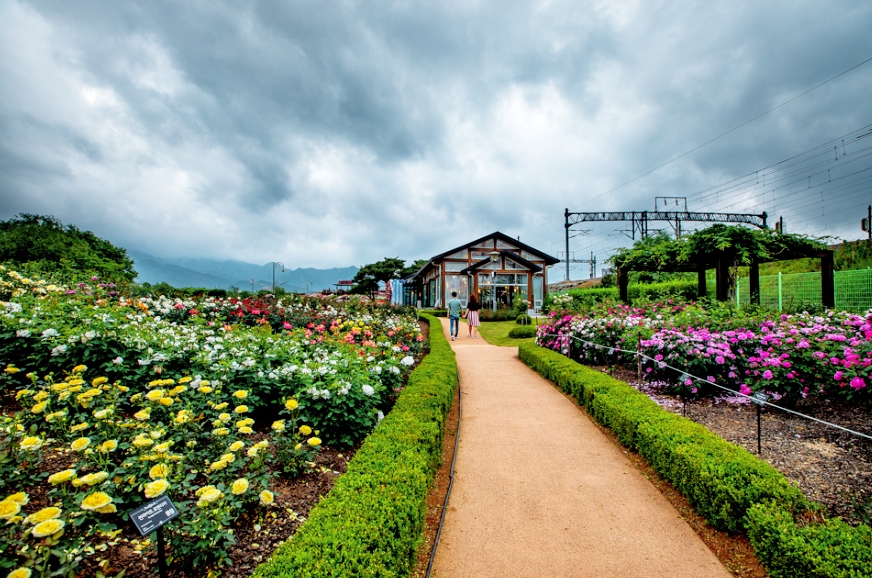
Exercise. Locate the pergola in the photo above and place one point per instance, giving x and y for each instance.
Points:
(720, 247)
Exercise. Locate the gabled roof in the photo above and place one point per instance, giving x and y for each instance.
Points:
(516, 258)
(549, 260)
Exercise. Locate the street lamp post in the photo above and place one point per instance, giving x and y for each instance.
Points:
(276, 263)
(494, 257)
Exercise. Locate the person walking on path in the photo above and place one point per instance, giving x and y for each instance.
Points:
(454, 307)
(472, 321)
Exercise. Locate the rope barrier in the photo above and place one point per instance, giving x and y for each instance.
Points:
(691, 376)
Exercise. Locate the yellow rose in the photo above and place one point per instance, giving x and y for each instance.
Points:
(162, 448)
(236, 446)
(91, 479)
(142, 442)
(80, 368)
(314, 442)
(221, 406)
(39, 408)
(56, 415)
(216, 466)
(204, 389)
(278, 425)
(239, 487)
(9, 509)
(240, 394)
(102, 413)
(96, 500)
(156, 488)
(49, 513)
(109, 446)
(305, 430)
(166, 401)
(79, 427)
(11, 369)
(110, 509)
(158, 471)
(19, 498)
(221, 431)
(97, 382)
(80, 444)
(31, 443)
(47, 528)
(20, 573)
(142, 415)
(291, 404)
(185, 379)
(267, 498)
(241, 409)
(245, 430)
(224, 417)
(154, 394)
(61, 477)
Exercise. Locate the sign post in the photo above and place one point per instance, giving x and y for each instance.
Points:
(759, 399)
(151, 517)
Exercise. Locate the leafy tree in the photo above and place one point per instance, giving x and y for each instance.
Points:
(367, 278)
(46, 241)
(413, 268)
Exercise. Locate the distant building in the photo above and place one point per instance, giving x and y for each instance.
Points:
(343, 286)
(495, 267)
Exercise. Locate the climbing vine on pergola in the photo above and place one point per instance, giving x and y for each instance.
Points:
(721, 247)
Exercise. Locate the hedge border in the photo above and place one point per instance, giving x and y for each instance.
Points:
(733, 489)
(372, 521)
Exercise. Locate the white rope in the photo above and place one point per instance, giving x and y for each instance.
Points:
(682, 372)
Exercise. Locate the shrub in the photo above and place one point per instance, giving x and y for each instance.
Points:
(523, 319)
(372, 522)
(731, 488)
(522, 332)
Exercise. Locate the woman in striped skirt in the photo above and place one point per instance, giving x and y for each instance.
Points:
(472, 321)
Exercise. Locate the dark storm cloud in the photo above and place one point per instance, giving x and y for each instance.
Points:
(339, 133)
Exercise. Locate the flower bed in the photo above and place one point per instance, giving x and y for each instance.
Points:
(163, 399)
(787, 356)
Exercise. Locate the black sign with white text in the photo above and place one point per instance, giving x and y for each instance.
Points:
(153, 515)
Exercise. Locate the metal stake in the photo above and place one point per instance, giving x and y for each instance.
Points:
(758, 429)
(161, 556)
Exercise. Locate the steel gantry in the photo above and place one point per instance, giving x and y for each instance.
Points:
(640, 219)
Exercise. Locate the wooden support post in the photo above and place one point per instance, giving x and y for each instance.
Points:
(701, 289)
(722, 289)
(828, 285)
(754, 282)
(623, 286)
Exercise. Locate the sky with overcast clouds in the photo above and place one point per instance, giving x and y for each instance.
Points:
(330, 134)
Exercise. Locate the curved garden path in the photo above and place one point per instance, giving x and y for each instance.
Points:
(539, 491)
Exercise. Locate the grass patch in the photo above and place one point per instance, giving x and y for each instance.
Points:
(497, 333)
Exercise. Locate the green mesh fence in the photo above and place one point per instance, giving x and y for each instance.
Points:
(853, 290)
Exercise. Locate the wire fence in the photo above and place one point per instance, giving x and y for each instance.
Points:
(794, 290)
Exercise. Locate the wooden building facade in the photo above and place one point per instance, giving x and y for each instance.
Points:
(495, 267)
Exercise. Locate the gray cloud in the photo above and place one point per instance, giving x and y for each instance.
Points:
(329, 134)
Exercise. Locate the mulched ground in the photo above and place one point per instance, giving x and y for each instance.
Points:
(831, 467)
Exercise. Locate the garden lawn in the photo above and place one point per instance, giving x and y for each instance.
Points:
(497, 333)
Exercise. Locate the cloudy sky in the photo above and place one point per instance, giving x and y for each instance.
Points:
(330, 134)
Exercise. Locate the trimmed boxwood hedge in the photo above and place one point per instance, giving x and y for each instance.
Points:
(522, 331)
(730, 487)
(372, 521)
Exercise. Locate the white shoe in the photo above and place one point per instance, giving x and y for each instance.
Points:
(452, 338)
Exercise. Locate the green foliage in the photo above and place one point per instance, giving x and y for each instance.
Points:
(638, 293)
(498, 315)
(367, 278)
(372, 522)
(523, 319)
(45, 240)
(733, 489)
(522, 332)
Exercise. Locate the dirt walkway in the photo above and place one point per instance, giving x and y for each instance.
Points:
(540, 492)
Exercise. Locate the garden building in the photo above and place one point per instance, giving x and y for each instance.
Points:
(496, 268)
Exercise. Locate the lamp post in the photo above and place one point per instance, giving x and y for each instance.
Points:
(494, 257)
(276, 263)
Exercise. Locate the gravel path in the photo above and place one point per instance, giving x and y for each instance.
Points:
(540, 491)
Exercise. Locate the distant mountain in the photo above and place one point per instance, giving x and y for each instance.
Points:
(211, 273)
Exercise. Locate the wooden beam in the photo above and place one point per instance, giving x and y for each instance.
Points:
(701, 289)
(828, 285)
(754, 282)
(623, 286)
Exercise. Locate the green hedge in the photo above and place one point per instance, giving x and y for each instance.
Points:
(372, 521)
(522, 331)
(730, 487)
(646, 291)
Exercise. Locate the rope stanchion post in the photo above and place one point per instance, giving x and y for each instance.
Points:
(639, 360)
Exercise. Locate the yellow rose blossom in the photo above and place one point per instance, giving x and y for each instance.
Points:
(278, 425)
(252, 451)
(142, 415)
(305, 430)
(142, 442)
(31, 443)
(20, 573)
(108, 446)
(94, 392)
(236, 446)
(75, 382)
(158, 471)
(240, 394)
(9, 509)
(97, 382)
(245, 430)
(291, 404)
(40, 396)
(224, 417)
(91, 479)
(123, 388)
(184, 416)
(39, 408)
(162, 448)
(221, 406)
(102, 413)
(203, 490)
(314, 442)
(177, 390)
(156, 434)
(154, 394)
(239, 487)
(110, 509)
(221, 431)
(75, 389)
(167, 401)
(49, 513)
(80, 427)
(135, 397)
(55, 415)
(61, 477)
(298, 447)
(47, 528)
(80, 444)
(95, 501)
(80, 368)
(241, 409)
(11, 369)
(211, 494)
(228, 457)
(262, 444)
(155, 383)
(204, 389)
(186, 379)
(156, 488)
(267, 498)
(216, 466)
(23, 393)
(60, 386)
